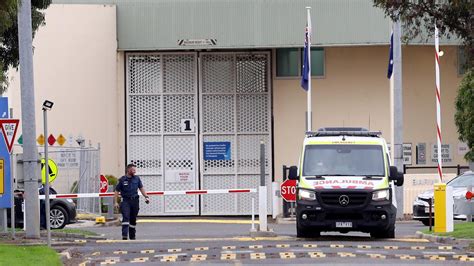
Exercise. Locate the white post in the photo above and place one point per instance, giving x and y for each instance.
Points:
(276, 201)
(253, 215)
(310, 114)
(449, 209)
(262, 191)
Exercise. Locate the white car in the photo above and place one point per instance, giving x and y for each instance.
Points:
(459, 184)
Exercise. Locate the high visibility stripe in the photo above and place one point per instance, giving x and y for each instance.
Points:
(132, 226)
(125, 223)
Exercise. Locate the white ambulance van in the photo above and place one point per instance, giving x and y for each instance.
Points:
(345, 183)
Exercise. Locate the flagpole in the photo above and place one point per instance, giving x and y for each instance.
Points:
(438, 105)
(309, 113)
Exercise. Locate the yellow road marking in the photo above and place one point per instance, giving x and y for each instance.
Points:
(84, 263)
(337, 246)
(120, 252)
(257, 256)
(196, 221)
(199, 257)
(316, 254)
(466, 259)
(174, 250)
(201, 248)
(138, 260)
(405, 257)
(287, 255)
(310, 246)
(80, 241)
(458, 256)
(96, 253)
(346, 254)
(377, 256)
(168, 260)
(418, 247)
(282, 246)
(228, 256)
(256, 247)
(228, 247)
(434, 257)
(445, 247)
(107, 263)
(147, 251)
(364, 246)
(390, 247)
(240, 239)
(409, 240)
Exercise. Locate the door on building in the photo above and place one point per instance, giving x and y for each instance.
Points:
(195, 121)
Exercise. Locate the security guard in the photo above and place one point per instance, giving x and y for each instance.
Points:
(128, 186)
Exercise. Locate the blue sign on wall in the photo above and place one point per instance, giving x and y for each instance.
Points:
(5, 176)
(217, 150)
(4, 107)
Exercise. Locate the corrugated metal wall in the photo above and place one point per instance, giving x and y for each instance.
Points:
(159, 24)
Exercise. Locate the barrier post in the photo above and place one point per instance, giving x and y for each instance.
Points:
(443, 198)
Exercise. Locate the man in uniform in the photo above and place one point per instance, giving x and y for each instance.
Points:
(128, 186)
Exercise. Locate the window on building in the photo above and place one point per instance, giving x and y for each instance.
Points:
(289, 62)
(462, 60)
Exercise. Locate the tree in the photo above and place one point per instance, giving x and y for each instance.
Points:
(464, 117)
(9, 52)
(452, 17)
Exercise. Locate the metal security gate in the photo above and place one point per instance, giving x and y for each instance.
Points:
(235, 113)
(167, 140)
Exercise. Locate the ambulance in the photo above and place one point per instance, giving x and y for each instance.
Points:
(345, 183)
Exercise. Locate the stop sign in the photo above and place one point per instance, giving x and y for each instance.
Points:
(288, 190)
(104, 184)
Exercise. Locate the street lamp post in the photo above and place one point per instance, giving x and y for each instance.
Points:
(47, 105)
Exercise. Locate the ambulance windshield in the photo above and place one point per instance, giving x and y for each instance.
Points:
(344, 160)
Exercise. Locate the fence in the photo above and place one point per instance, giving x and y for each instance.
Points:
(78, 172)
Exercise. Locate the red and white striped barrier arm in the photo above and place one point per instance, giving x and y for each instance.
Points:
(438, 106)
(152, 193)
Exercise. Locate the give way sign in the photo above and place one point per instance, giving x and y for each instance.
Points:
(104, 184)
(288, 190)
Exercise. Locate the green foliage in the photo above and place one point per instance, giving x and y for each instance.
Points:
(452, 17)
(461, 230)
(112, 180)
(28, 255)
(9, 52)
(464, 117)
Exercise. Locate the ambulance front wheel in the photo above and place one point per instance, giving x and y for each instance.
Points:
(306, 232)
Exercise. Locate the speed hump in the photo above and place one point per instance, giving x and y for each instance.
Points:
(53, 171)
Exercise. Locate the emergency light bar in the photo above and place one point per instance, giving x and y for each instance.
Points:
(344, 133)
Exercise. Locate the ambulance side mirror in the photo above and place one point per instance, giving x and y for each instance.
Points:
(396, 176)
(293, 173)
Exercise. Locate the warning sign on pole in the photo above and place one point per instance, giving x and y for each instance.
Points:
(9, 127)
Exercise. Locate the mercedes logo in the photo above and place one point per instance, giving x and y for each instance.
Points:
(344, 200)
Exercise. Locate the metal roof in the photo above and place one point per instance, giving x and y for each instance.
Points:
(232, 24)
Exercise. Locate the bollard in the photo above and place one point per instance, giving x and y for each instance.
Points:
(443, 198)
(253, 215)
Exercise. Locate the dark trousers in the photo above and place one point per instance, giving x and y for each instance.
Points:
(42, 214)
(129, 209)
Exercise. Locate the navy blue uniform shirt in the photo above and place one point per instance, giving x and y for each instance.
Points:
(128, 186)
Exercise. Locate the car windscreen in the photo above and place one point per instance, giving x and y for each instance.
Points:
(348, 160)
(462, 181)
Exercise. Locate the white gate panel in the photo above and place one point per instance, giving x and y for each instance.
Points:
(235, 111)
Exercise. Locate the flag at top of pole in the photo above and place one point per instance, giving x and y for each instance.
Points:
(306, 69)
(390, 58)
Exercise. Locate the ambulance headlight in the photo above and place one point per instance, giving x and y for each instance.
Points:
(381, 195)
(307, 194)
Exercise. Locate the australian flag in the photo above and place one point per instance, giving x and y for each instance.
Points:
(390, 60)
(305, 70)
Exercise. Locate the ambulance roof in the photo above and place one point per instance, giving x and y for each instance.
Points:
(344, 137)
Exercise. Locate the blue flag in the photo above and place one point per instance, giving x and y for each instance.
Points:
(305, 70)
(390, 60)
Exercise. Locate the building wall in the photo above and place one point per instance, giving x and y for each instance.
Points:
(355, 88)
(75, 66)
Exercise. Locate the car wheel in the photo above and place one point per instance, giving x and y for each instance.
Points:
(390, 233)
(58, 217)
(303, 232)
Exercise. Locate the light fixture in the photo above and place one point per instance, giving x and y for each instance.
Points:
(47, 105)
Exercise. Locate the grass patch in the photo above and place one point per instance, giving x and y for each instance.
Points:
(75, 231)
(461, 230)
(28, 255)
